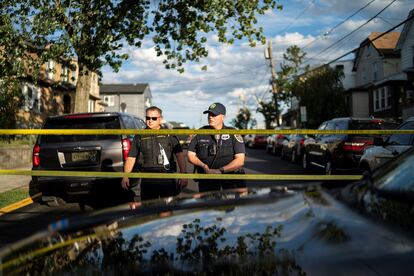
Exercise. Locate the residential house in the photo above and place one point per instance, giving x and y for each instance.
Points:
(378, 79)
(293, 117)
(131, 98)
(406, 46)
(53, 93)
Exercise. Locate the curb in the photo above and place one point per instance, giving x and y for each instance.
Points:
(18, 205)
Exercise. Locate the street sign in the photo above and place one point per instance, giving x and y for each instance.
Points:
(303, 117)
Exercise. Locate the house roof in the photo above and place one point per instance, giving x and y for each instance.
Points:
(136, 88)
(386, 43)
(405, 30)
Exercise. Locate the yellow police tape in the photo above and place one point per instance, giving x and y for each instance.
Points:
(193, 131)
(179, 175)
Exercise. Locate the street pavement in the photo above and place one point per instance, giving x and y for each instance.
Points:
(30, 219)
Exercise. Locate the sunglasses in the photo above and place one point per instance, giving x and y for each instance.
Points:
(151, 118)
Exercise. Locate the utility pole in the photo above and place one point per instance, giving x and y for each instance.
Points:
(269, 56)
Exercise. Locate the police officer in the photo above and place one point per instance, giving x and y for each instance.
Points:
(217, 154)
(156, 155)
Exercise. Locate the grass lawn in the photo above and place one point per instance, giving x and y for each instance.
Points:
(13, 196)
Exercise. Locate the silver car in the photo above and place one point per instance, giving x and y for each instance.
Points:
(383, 151)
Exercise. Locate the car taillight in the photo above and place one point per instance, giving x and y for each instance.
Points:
(36, 156)
(356, 145)
(302, 142)
(280, 136)
(126, 146)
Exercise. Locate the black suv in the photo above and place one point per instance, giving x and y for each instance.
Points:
(99, 153)
(334, 153)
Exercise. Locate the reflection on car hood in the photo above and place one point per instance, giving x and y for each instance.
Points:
(270, 230)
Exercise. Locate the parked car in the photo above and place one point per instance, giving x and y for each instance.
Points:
(91, 153)
(293, 147)
(272, 231)
(335, 153)
(255, 141)
(383, 151)
(274, 142)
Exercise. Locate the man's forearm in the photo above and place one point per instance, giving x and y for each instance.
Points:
(193, 159)
(235, 164)
(129, 164)
(181, 162)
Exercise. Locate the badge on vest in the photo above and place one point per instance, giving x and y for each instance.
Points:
(225, 137)
(238, 138)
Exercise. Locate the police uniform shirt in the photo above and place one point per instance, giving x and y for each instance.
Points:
(206, 147)
(135, 149)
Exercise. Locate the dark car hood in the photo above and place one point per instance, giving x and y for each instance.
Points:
(290, 232)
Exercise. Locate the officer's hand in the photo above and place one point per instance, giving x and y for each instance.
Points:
(125, 183)
(214, 171)
(206, 168)
(183, 183)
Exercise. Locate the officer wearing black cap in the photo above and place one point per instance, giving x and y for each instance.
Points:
(217, 154)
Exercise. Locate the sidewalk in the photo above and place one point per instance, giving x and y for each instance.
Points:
(10, 182)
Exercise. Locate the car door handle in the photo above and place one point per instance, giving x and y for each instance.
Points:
(395, 153)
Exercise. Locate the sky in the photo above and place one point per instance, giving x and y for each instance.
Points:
(238, 75)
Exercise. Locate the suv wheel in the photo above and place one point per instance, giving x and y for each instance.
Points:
(329, 167)
(293, 156)
(305, 162)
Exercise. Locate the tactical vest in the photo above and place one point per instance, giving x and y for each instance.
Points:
(152, 159)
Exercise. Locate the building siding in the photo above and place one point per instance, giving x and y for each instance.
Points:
(407, 50)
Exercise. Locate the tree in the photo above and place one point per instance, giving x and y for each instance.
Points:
(321, 91)
(244, 119)
(289, 69)
(95, 31)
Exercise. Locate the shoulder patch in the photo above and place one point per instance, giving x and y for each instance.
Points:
(238, 138)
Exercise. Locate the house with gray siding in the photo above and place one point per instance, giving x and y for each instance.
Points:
(129, 98)
(378, 78)
(406, 46)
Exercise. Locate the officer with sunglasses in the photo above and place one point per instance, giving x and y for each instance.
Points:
(155, 153)
(217, 154)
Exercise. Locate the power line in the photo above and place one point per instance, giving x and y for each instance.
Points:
(340, 23)
(372, 40)
(297, 17)
(357, 29)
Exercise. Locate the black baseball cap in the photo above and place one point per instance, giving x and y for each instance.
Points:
(216, 109)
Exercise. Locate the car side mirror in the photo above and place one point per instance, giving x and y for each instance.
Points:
(378, 141)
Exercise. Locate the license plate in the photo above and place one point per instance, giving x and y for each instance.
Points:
(84, 156)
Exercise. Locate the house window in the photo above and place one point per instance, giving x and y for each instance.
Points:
(110, 100)
(31, 99)
(91, 106)
(382, 99)
(375, 70)
(376, 100)
(65, 74)
(50, 69)
(364, 75)
(389, 99)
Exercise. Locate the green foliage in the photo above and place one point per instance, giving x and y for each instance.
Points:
(244, 119)
(321, 91)
(95, 31)
(9, 104)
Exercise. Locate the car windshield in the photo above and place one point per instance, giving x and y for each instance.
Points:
(110, 122)
(397, 175)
